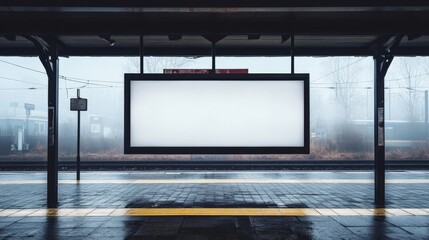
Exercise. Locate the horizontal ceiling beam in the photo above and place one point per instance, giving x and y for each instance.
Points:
(220, 51)
(205, 24)
(61, 4)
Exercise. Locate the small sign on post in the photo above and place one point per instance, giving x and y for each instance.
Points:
(29, 106)
(78, 104)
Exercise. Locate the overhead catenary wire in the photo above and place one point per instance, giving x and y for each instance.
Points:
(22, 81)
(363, 87)
(387, 80)
(66, 78)
(15, 89)
(44, 88)
(85, 82)
(316, 87)
(339, 69)
(94, 82)
(20, 66)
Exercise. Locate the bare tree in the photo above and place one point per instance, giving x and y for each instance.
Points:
(157, 64)
(344, 77)
(411, 72)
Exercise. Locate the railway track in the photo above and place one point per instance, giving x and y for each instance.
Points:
(219, 165)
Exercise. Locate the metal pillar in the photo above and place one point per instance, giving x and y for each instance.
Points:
(379, 148)
(53, 83)
(382, 60)
(48, 55)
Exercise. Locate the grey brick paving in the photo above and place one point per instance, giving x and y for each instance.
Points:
(269, 195)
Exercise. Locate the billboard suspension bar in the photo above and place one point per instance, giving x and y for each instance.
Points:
(141, 54)
(214, 57)
(292, 54)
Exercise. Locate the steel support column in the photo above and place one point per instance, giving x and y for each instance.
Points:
(48, 55)
(379, 148)
(53, 83)
(382, 60)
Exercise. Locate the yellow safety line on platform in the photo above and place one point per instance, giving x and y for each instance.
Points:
(297, 212)
(214, 181)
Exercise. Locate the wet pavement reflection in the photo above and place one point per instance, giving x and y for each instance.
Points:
(110, 199)
(202, 227)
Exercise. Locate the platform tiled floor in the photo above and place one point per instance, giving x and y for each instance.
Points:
(283, 205)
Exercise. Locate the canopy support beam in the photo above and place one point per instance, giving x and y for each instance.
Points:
(382, 60)
(48, 55)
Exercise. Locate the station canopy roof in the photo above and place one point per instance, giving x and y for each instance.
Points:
(245, 27)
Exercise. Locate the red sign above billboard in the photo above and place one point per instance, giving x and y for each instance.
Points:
(205, 71)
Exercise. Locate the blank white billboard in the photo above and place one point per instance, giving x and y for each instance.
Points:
(216, 113)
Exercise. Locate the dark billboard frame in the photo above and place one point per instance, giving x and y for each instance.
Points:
(128, 149)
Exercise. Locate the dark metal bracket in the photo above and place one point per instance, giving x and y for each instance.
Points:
(43, 48)
(388, 53)
(214, 39)
(48, 55)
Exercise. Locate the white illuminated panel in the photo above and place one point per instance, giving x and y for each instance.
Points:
(217, 113)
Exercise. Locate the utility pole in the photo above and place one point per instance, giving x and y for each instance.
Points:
(78, 104)
(426, 116)
(78, 141)
(28, 107)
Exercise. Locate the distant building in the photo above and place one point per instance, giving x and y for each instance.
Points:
(399, 133)
(19, 133)
(101, 127)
